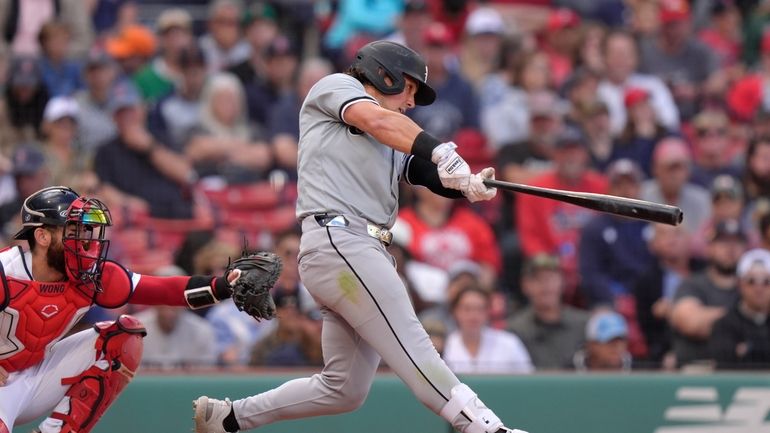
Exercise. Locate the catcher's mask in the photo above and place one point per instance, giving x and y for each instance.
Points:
(85, 243)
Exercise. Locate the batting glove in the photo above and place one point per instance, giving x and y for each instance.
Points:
(453, 171)
(477, 191)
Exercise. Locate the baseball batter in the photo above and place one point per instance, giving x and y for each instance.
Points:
(355, 146)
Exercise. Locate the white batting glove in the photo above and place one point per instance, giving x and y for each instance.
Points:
(477, 191)
(453, 171)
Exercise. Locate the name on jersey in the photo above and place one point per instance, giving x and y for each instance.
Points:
(52, 288)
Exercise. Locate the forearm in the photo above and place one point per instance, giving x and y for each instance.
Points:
(196, 291)
(390, 128)
(418, 171)
(172, 165)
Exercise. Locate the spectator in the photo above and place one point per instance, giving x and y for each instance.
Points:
(223, 146)
(138, 172)
(108, 15)
(235, 333)
(283, 119)
(561, 36)
(747, 98)
(456, 107)
(95, 124)
(463, 275)
(642, 132)
(655, 290)
(678, 58)
(712, 148)
(223, 46)
(68, 165)
(741, 338)
(26, 97)
(764, 231)
(551, 330)
(757, 171)
(260, 28)
(132, 47)
(553, 227)
(30, 174)
(361, 19)
(704, 297)
(621, 61)
(727, 203)
(176, 337)
(723, 35)
(474, 347)
(411, 25)
(444, 234)
(580, 91)
(590, 54)
(614, 255)
(174, 117)
(61, 75)
(159, 77)
(606, 346)
(21, 25)
(671, 167)
(296, 339)
(484, 29)
(595, 122)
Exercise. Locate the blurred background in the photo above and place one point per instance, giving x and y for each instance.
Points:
(183, 117)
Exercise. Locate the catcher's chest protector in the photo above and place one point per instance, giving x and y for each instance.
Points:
(118, 353)
(36, 315)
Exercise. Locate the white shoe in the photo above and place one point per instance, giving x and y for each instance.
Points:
(507, 430)
(209, 414)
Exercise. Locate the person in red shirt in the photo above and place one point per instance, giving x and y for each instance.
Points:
(444, 235)
(746, 98)
(45, 291)
(560, 42)
(553, 227)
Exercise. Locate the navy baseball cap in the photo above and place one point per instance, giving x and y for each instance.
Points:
(27, 159)
(123, 95)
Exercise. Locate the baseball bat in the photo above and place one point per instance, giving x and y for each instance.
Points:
(627, 207)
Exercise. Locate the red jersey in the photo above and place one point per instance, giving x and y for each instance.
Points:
(35, 315)
(465, 236)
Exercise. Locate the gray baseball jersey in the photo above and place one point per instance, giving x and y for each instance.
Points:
(341, 170)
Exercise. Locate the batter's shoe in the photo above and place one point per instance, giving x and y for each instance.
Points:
(209, 414)
(507, 430)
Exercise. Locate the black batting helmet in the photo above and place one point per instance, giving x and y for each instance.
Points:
(379, 59)
(45, 207)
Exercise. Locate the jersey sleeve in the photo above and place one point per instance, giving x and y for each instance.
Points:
(333, 94)
(152, 290)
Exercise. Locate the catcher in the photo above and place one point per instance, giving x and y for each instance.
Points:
(47, 289)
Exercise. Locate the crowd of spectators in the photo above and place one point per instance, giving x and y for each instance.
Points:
(185, 122)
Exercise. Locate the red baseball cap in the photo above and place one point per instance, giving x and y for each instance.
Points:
(673, 10)
(635, 95)
(562, 18)
(437, 34)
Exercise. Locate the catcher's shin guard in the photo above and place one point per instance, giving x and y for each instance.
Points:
(118, 352)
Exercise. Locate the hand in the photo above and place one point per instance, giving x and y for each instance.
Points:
(137, 138)
(452, 169)
(477, 191)
(3, 376)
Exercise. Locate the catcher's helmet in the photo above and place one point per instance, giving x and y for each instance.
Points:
(379, 59)
(45, 207)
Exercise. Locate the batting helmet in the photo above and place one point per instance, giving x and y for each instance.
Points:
(380, 59)
(45, 207)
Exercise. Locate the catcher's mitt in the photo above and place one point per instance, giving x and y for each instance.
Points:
(251, 290)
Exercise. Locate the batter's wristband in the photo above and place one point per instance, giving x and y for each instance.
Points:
(424, 144)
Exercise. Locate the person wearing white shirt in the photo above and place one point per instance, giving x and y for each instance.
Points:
(475, 347)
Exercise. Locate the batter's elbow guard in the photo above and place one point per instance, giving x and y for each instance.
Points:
(119, 351)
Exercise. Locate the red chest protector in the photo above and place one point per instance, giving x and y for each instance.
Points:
(36, 314)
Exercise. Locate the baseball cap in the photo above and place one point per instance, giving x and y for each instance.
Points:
(280, 46)
(133, 40)
(464, 267)
(635, 95)
(437, 34)
(123, 95)
(726, 185)
(259, 11)
(60, 107)
(562, 18)
(541, 262)
(624, 168)
(484, 20)
(606, 326)
(174, 17)
(25, 71)
(673, 10)
(570, 136)
(545, 104)
(27, 159)
(730, 228)
(756, 257)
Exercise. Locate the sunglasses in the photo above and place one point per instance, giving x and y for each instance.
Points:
(758, 281)
(712, 132)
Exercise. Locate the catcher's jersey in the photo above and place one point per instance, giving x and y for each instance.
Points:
(342, 170)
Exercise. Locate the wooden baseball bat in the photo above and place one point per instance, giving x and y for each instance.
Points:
(627, 207)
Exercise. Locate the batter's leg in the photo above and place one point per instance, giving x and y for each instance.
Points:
(349, 367)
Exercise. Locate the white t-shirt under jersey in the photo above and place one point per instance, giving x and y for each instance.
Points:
(500, 352)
